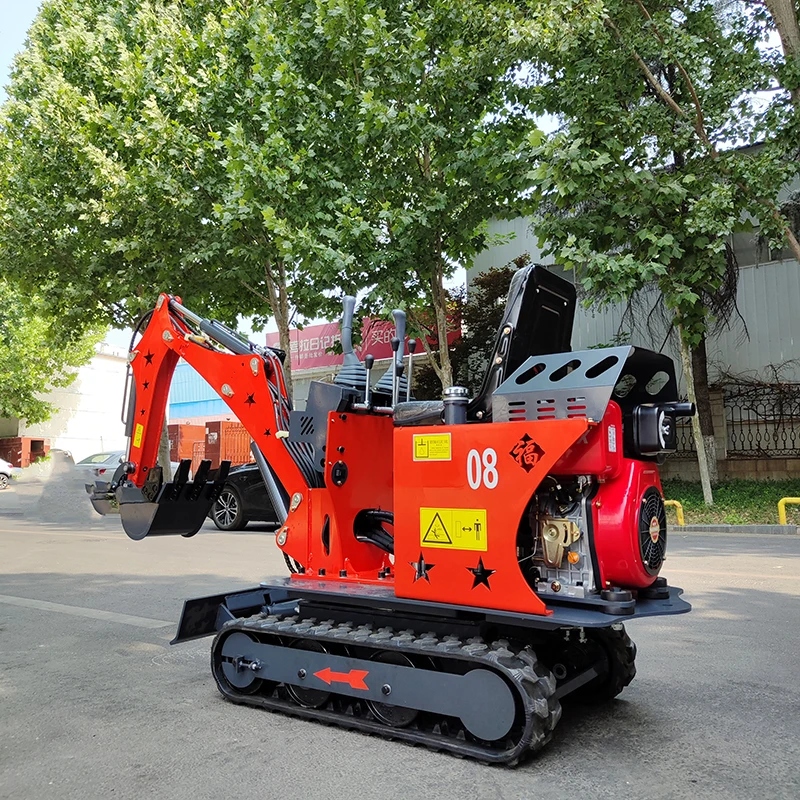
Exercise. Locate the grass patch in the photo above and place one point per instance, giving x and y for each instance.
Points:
(735, 502)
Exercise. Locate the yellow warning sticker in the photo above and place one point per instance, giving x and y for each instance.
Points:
(432, 447)
(137, 435)
(453, 528)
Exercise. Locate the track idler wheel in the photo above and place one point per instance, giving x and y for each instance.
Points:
(308, 698)
(393, 716)
(240, 669)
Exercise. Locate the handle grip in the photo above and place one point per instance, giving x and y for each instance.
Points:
(400, 333)
(683, 409)
(348, 308)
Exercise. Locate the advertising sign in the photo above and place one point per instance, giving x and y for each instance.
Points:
(309, 347)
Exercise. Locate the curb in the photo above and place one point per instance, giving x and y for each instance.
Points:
(767, 530)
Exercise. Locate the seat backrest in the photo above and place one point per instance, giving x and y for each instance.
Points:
(538, 320)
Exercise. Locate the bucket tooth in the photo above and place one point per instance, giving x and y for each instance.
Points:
(215, 489)
(181, 478)
(200, 478)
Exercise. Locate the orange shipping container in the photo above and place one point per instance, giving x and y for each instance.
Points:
(182, 438)
(227, 441)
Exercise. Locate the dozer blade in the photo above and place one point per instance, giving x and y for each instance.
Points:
(179, 508)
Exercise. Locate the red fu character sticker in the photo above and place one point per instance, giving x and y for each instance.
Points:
(526, 453)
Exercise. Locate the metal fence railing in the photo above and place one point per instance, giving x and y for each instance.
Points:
(762, 420)
(685, 440)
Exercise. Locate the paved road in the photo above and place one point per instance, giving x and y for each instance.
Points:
(95, 704)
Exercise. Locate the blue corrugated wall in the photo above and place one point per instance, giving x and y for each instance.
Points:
(191, 396)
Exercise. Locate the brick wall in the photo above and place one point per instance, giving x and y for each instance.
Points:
(767, 469)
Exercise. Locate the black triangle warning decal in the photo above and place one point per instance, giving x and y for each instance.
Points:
(437, 532)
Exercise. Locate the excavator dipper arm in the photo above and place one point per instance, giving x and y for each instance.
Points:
(247, 377)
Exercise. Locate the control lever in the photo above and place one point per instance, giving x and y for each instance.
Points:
(352, 374)
(412, 346)
(348, 309)
(400, 335)
(395, 386)
(369, 360)
(390, 385)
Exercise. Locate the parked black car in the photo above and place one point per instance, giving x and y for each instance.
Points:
(244, 499)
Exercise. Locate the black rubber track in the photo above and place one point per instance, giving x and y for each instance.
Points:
(538, 711)
(620, 654)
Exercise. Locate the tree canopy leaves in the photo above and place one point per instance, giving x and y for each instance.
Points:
(259, 159)
(664, 152)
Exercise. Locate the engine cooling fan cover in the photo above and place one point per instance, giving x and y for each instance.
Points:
(652, 530)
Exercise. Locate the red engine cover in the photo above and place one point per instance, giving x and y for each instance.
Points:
(617, 509)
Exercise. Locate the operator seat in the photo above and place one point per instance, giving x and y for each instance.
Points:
(540, 310)
(538, 320)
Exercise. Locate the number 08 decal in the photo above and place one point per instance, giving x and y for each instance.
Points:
(482, 468)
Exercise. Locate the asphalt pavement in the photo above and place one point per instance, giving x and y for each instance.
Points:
(94, 703)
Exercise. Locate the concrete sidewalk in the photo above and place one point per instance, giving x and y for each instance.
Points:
(791, 530)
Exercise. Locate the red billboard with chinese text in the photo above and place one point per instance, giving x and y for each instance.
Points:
(309, 347)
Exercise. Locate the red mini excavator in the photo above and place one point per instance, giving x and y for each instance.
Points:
(458, 567)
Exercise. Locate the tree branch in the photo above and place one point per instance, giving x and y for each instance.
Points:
(655, 84)
(699, 123)
(426, 346)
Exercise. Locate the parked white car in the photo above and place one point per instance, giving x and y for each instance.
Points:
(6, 471)
(101, 465)
(104, 465)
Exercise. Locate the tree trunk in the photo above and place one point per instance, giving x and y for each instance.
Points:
(439, 297)
(444, 369)
(279, 304)
(785, 15)
(704, 414)
(164, 460)
(702, 463)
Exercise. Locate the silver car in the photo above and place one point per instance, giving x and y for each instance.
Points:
(101, 465)
(6, 471)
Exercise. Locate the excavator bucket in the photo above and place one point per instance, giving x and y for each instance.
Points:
(176, 508)
(102, 497)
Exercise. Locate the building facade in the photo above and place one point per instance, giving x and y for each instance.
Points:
(88, 417)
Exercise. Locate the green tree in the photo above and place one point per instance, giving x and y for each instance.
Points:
(785, 16)
(642, 184)
(37, 355)
(431, 134)
(259, 159)
(142, 151)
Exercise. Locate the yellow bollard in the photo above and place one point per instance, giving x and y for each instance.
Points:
(795, 501)
(678, 510)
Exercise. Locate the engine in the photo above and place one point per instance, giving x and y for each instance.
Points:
(553, 547)
(598, 523)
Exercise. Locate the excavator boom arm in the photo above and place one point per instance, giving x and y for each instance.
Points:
(247, 377)
(250, 382)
